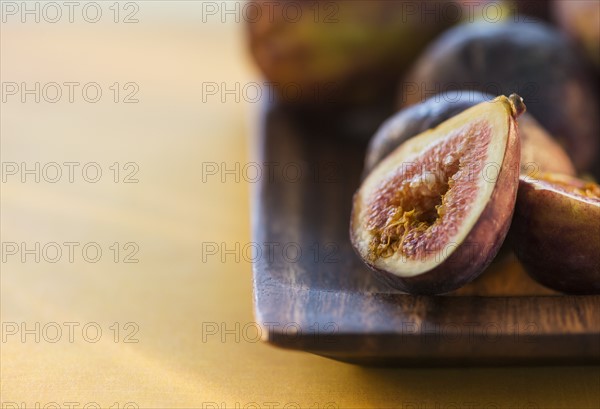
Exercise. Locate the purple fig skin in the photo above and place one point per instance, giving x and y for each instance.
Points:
(557, 238)
(418, 118)
(530, 58)
(480, 246)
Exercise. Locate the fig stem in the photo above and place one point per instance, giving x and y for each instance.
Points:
(517, 105)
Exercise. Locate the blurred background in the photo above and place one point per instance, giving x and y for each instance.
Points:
(124, 129)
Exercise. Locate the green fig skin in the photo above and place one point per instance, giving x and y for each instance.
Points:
(557, 237)
(340, 53)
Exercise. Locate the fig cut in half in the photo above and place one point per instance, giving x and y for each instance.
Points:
(432, 215)
(556, 231)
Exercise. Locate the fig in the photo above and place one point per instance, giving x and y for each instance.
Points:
(581, 20)
(539, 151)
(556, 232)
(529, 58)
(432, 215)
(334, 53)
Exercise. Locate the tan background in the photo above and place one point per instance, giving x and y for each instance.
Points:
(169, 213)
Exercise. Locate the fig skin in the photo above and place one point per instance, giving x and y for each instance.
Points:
(491, 228)
(530, 58)
(339, 53)
(581, 20)
(557, 237)
(539, 151)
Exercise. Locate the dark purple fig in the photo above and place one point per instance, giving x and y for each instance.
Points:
(530, 58)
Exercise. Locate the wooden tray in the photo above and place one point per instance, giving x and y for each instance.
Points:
(325, 301)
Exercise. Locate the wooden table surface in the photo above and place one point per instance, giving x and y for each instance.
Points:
(176, 323)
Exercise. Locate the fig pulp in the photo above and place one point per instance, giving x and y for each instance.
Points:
(529, 58)
(556, 232)
(432, 215)
(539, 151)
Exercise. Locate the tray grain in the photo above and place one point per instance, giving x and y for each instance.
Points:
(312, 292)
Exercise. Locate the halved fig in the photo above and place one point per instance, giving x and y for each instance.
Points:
(556, 231)
(539, 151)
(432, 215)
